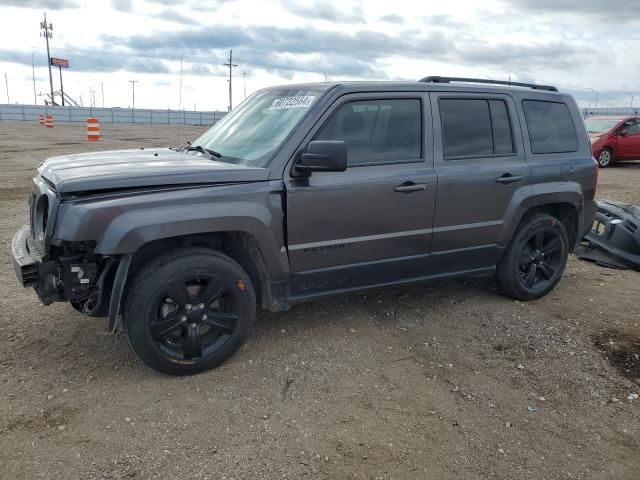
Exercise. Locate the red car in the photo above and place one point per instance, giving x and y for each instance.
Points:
(614, 138)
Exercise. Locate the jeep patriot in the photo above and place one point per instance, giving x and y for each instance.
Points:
(310, 190)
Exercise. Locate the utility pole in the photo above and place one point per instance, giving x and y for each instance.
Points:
(180, 87)
(61, 87)
(102, 88)
(46, 32)
(6, 82)
(133, 92)
(231, 65)
(33, 73)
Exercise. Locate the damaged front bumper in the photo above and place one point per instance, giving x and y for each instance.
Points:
(54, 278)
(31, 270)
(614, 239)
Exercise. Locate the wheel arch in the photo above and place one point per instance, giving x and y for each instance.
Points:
(565, 205)
(241, 246)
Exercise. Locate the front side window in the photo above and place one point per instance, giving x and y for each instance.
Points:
(252, 131)
(551, 129)
(631, 128)
(377, 131)
(475, 128)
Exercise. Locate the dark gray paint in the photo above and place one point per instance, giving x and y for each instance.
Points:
(330, 232)
(134, 168)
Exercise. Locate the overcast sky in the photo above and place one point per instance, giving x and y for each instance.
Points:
(574, 44)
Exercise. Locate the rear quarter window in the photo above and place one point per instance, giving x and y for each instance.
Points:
(551, 128)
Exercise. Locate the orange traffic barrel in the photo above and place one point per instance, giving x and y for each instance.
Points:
(93, 129)
(41, 119)
(48, 121)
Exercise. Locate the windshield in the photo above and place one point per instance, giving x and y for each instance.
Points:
(256, 127)
(600, 125)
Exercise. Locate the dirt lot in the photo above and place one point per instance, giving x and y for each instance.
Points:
(431, 382)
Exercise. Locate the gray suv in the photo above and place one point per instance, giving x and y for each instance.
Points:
(310, 190)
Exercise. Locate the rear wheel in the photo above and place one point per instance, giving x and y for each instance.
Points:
(189, 310)
(535, 259)
(605, 158)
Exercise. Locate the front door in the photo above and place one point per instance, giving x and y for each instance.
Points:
(480, 166)
(628, 141)
(371, 224)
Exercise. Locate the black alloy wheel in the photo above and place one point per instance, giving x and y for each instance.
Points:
(195, 315)
(189, 310)
(540, 259)
(535, 259)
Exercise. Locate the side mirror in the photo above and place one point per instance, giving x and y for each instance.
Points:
(323, 156)
(623, 133)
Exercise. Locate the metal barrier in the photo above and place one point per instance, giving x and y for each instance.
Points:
(617, 111)
(30, 113)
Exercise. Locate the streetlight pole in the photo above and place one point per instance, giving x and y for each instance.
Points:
(47, 34)
(596, 94)
(244, 78)
(33, 74)
(133, 93)
(102, 88)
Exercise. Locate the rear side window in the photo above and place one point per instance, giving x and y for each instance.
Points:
(377, 131)
(551, 129)
(475, 128)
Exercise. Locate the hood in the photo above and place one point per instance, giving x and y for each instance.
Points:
(141, 168)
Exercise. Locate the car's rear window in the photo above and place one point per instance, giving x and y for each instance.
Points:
(475, 127)
(551, 129)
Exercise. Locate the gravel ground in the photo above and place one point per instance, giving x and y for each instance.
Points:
(445, 380)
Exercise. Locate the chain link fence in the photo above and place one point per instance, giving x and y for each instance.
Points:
(30, 113)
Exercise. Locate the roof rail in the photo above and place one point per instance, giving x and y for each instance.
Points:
(436, 79)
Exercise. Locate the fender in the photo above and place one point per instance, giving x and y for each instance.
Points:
(539, 195)
(121, 223)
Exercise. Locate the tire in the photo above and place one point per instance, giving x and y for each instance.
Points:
(535, 259)
(605, 158)
(189, 310)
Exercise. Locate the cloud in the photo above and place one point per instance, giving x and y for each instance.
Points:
(397, 19)
(360, 54)
(90, 62)
(621, 10)
(171, 15)
(322, 10)
(40, 4)
(122, 5)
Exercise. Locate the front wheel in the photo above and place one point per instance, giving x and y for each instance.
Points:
(189, 310)
(535, 259)
(605, 158)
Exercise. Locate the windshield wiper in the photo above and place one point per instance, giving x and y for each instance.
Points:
(181, 147)
(201, 149)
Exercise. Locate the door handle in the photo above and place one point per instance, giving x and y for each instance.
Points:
(507, 178)
(410, 187)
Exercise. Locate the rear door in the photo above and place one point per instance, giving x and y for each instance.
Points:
(628, 144)
(371, 224)
(481, 166)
